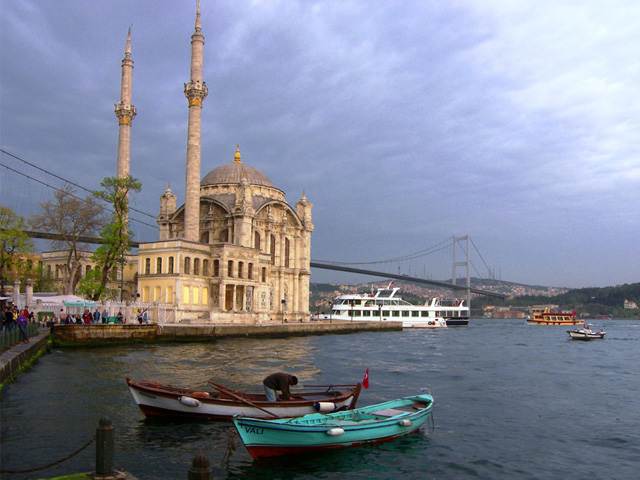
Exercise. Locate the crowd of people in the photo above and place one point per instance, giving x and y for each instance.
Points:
(12, 318)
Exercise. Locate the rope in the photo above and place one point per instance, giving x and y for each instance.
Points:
(51, 464)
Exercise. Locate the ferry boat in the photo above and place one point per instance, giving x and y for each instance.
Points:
(386, 306)
(544, 316)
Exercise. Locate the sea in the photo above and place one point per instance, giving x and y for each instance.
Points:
(512, 401)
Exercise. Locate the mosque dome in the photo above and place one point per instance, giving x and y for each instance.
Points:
(233, 172)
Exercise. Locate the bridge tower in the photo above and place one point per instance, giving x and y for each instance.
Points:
(466, 264)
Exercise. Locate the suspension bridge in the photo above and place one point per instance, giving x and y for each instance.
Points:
(25, 185)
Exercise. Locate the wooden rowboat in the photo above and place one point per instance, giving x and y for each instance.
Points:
(321, 431)
(158, 400)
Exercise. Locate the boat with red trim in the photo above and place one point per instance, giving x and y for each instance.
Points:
(316, 432)
(158, 400)
(544, 316)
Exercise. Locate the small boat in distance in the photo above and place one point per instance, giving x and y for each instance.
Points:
(157, 400)
(315, 432)
(586, 333)
(386, 306)
(544, 316)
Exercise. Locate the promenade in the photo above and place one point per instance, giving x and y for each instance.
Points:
(19, 356)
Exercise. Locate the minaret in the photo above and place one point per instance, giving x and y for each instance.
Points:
(125, 112)
(196, 92)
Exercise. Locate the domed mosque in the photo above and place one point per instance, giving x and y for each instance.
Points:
(235, 252)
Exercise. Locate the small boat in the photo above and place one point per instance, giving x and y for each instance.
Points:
(323, 431)
(386, 306)
(157, 400)
(586, 333)
(544, 316)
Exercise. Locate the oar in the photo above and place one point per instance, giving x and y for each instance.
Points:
(243, 400)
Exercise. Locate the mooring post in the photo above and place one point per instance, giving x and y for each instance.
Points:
(200, 469)
(104, 447)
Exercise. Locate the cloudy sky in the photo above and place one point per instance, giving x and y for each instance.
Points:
(516, 122)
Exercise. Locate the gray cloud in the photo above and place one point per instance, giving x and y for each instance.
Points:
(404, 122)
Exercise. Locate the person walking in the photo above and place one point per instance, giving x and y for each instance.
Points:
(22, 325)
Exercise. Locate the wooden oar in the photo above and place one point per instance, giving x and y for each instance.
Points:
(243, 400)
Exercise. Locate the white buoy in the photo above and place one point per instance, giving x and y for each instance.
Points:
(334, 432)
(404, 423)
(323, 407)
(190, 402)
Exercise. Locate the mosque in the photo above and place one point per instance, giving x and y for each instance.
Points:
(235, 251)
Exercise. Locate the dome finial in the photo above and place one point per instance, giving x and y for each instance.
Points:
(236, 157)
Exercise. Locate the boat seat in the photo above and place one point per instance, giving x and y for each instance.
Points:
(389, 412)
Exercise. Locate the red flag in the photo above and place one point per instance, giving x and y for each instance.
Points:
(365, 380)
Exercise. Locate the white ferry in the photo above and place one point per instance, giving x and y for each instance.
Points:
(385, 306)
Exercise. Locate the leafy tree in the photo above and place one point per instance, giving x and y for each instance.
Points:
(14, 243)
(72, 218)
(116, 236)
(91, 285)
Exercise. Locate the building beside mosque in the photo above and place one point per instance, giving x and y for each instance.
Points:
(235, 251)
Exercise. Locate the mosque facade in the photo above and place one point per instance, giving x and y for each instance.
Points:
(235, 251)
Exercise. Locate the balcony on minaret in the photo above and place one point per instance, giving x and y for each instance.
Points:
(196, 92)
(125, 113)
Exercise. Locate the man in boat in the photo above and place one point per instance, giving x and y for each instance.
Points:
(278, 381)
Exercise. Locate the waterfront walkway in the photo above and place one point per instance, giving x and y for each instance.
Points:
(14, 358)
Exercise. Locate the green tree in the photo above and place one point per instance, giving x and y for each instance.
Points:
(91, 285)
(116, 236)
(71, 218)
(14, 244)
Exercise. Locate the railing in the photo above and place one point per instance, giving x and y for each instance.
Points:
(9, 338)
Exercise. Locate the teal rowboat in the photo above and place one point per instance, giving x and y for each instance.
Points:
(321, 431)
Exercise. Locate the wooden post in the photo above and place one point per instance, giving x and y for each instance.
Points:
(200, 469)
(104, 447)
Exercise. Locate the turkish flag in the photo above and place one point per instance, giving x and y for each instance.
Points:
(365, 380)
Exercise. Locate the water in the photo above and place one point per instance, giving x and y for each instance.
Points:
(513, 401)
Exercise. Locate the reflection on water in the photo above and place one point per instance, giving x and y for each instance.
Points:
(382, 460)
(240, 363)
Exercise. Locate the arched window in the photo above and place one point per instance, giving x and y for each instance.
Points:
(170, 266)
(240, 269)
(256, 240)
(196, 267)
(230, 268)
(264, 274)
(187, 265)
(287, 251)
(224, 235)
(204, 238)
(147, 266)
(250, 271)
(205, 268)
(216, 268)
(159, 265)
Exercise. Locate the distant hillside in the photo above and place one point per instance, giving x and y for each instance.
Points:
(591, 301)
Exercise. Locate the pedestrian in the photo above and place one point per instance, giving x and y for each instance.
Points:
(145, 319)
(22, 325)
(278, 381)
(86, 317)
(120, 317)
(10, 319)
